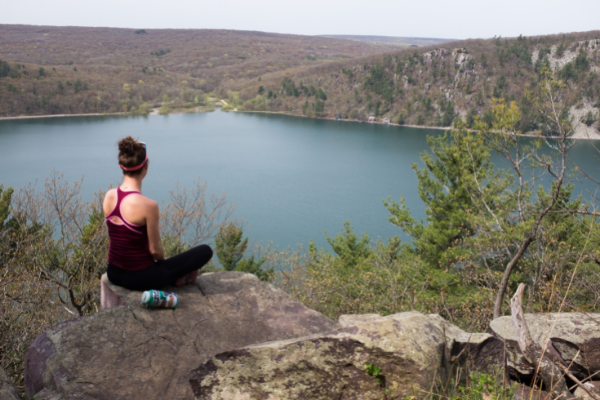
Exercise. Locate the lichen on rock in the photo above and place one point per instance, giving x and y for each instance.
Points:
(409, 349)
(572, 336)
(127, 351)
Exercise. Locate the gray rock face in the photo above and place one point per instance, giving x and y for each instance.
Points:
(410, 349)
(356, 319)
(480, 352)
(564, 333)
(7, 388)
(126, 351)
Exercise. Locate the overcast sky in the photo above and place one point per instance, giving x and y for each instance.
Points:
(458, 19)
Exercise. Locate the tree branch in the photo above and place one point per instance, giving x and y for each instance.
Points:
(543, 361)
(582, 385)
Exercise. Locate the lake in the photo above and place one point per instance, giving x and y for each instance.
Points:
(291, 178)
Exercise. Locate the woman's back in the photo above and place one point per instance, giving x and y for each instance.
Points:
(129, 246)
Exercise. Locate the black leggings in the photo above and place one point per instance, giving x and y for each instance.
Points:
(161, 273)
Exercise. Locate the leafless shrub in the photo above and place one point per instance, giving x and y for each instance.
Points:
(192, 216)
(54, 248)
(54, 251)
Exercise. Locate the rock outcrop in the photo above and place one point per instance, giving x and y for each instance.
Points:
(566, 334)
(479, 352)
(7, 387)
(357, 319)
(234, 337)
(579, 115)
(126, 351)
(410, 350)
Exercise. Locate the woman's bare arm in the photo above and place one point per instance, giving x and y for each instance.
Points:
(152, 224)
(110, 199)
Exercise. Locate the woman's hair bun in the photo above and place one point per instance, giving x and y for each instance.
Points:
(128, 146)
(131, 154)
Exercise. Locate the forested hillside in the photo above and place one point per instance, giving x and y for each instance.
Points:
(53, 70)
(435, 85)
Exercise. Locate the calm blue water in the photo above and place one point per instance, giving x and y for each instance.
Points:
(292, 178)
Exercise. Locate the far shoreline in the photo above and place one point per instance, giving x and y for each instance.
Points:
(61, 115)
(441, 128)
(155, 112)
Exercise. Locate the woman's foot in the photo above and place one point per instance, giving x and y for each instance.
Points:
(187, 279)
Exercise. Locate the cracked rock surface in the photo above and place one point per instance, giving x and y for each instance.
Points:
(410, 349)
(127, 351)
(566, 334)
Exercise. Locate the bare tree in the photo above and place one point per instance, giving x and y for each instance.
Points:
(514, 221)
(192, 216)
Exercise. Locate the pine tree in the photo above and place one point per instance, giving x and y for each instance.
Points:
(446, 186)
(230, 247)
(448, 117)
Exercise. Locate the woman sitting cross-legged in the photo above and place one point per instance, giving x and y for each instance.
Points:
(136, 257)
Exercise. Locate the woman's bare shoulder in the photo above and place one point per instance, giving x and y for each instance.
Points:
(151, 204)
(139, 199)
(110, 200)
(111, 193)
(147, 206)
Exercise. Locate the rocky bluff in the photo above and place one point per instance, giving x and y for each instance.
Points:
(234, 337)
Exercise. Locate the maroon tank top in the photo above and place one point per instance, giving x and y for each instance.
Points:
(129, 248)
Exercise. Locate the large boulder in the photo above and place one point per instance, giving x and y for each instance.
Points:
(574, 337)
(476, 352)
(479, 352)
(126, 351)
(7, 387)
(356, 319)
(410, 350)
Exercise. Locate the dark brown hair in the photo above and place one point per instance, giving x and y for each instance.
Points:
(131, 154)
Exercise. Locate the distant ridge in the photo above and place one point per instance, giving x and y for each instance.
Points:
(441, 83)
(117, 69)
(393, 40)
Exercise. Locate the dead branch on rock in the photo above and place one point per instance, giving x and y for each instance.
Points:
(577, 381)
(543, 361)
(589, 378)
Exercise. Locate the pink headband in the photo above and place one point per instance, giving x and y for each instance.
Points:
(134, 168)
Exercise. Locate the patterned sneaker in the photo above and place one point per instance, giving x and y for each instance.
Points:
(187, 279)
(158, 298)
